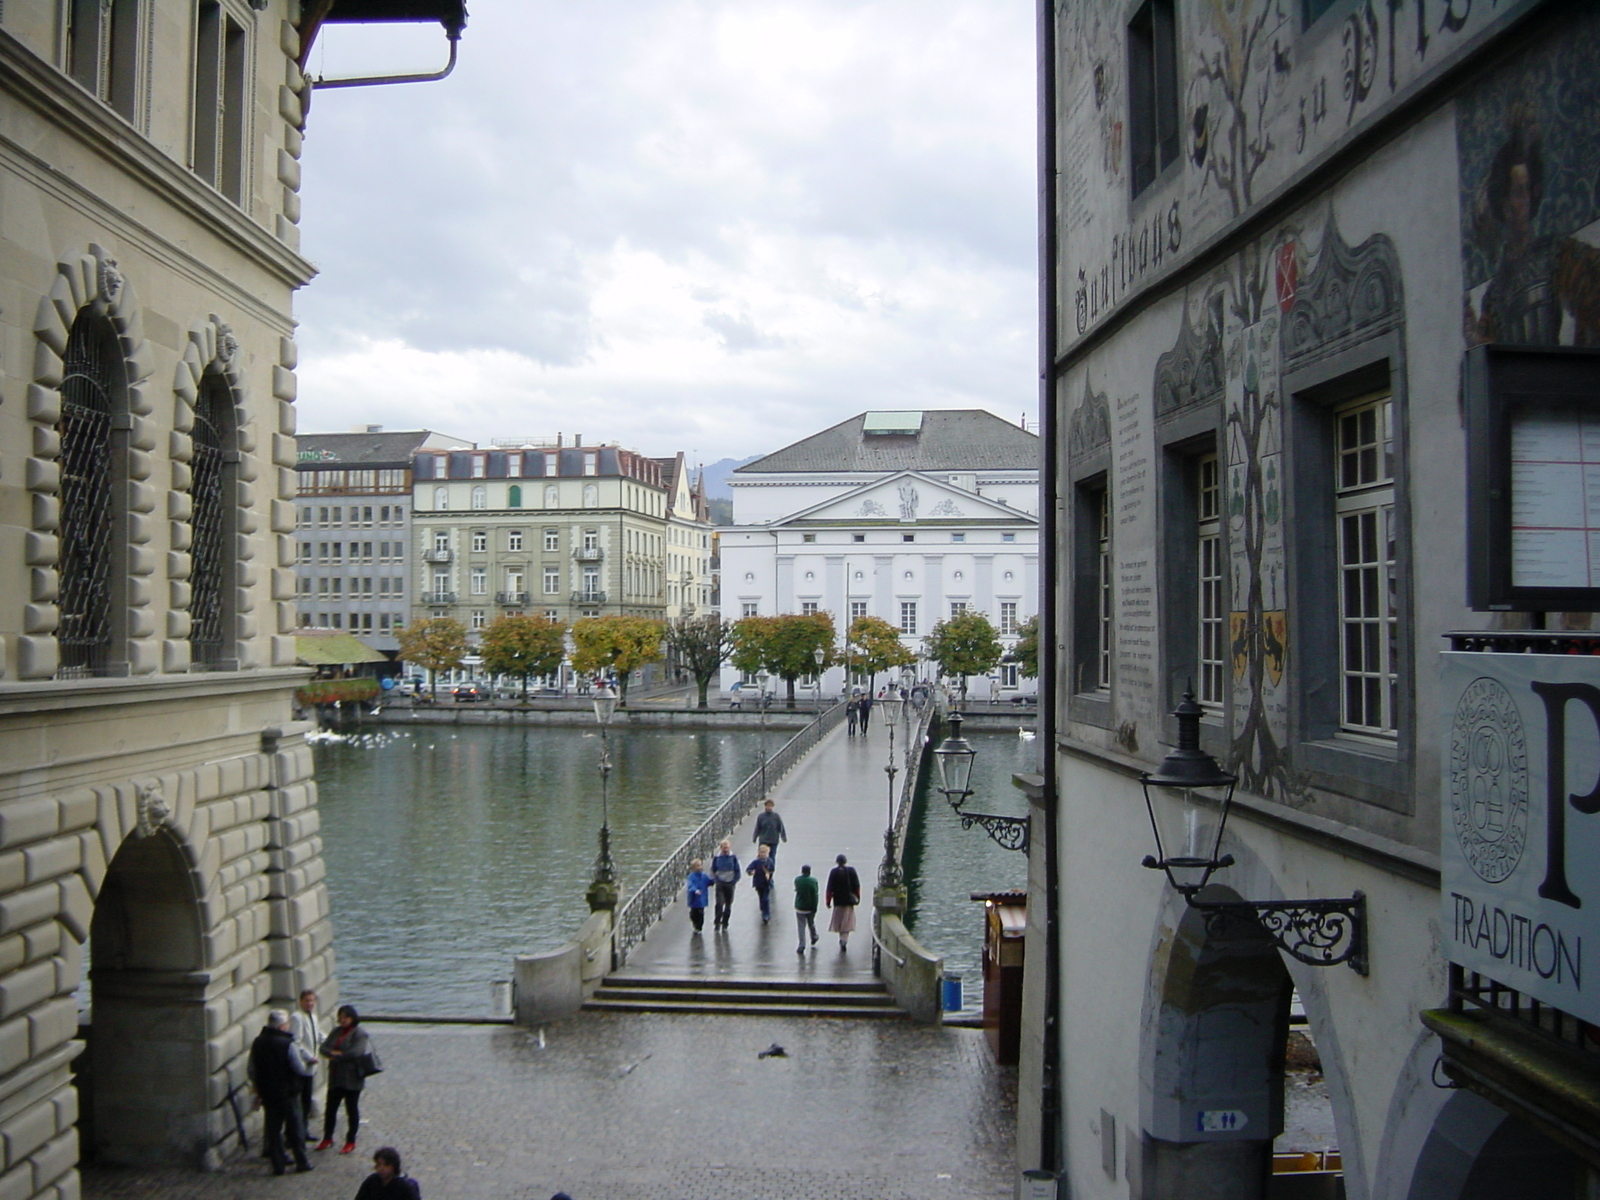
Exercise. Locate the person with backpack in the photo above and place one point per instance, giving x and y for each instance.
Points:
(725, 873)
(760, 872)
(699, 891)
(388, 1181)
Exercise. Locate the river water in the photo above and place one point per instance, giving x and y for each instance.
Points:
(451, 849)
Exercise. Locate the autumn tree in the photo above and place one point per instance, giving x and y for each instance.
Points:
(875, 646)
(523, 646)
(1026, 652)
(784, 645)
(702, 645)
(619, 644)
(434, 645)
(964, 645)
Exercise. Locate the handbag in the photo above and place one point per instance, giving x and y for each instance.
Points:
(371, 1064)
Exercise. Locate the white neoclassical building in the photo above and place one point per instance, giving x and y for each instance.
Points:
(908, 516)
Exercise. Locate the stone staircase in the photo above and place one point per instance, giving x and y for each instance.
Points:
(749, 997)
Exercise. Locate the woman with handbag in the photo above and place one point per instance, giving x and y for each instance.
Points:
(348, 1050)
(725, 872)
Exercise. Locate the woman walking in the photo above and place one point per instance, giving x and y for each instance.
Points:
(725, 872)
(347, 1050)
(844, 893)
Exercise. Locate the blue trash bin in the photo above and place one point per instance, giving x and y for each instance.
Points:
(952, 992)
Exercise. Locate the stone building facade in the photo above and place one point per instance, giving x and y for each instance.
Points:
(564, 531)
(353, 530)
(907, 516)
(158, 824)
(1282, 238)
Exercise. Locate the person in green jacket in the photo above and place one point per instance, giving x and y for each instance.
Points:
(805, 906)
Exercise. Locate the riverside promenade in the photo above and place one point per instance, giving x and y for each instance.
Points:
(673, 1106)
(834, 801)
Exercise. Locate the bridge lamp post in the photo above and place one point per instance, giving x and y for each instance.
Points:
(889, 875)
(603, 887)
(761, 703)
(818, 656)
(908, 680)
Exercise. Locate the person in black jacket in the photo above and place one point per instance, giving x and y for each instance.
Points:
(277, 1069)
(843, 894)
(346, 1050)
(388, 1181)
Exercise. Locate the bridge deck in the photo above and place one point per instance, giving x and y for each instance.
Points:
(835, 801)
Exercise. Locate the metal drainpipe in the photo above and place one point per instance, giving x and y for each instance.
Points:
(1050, 1103)
(451, 32)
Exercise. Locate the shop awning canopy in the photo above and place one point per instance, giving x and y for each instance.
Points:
(333, 648)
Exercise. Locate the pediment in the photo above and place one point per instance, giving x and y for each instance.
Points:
(906, 498)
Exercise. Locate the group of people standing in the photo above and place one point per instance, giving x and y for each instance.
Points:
(283, 1063)
(842, 895)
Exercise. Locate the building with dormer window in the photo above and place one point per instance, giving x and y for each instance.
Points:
(908, 516)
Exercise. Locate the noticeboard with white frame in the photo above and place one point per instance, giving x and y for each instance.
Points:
(1533, 478)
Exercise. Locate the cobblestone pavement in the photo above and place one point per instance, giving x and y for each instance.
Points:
(676, 1107)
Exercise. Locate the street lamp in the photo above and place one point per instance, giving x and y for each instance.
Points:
(889, 875)
(761, 703)
(953, 759)
(1320, 933)
(818, 655)
(603, 888)
(907, 682)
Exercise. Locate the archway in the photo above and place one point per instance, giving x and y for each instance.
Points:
(143, 1077)
(1215, 1032)
(1478, 1151)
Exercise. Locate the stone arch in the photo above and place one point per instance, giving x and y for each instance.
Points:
(1478, 1151)
(211, 360)
(1213, 1041)
(91, 283)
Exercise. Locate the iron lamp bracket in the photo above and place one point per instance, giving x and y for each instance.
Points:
(1008, 832)
(1319, 933)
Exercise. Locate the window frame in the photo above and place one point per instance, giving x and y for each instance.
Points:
(1329, 758)
(1154, 131)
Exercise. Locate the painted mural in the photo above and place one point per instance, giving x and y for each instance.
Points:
(1263, 94)
(1530, 212)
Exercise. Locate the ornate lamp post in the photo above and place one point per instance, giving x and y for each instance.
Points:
(953, 759)
(819, 655)
(1320, 933)
(761, 703)
(603, 888)
(889, 875)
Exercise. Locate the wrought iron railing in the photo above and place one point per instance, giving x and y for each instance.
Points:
(588, 597)
(916, 739)
(1526, 641)
(1513, 1009)
(645, 906)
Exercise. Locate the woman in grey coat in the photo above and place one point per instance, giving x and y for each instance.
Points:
(346, 1050)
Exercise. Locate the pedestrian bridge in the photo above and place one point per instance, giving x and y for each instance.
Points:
(834, 795)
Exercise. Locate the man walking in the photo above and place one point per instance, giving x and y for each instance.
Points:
(770, 831)
(308, 1034)
(276, 1068)
(805, 906)
(866, 712)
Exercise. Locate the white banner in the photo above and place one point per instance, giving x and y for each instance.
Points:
(1520, 823)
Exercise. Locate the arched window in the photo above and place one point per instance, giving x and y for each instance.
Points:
(591, 496)
(441, 498)
(552, 497)
(212, 485)
(93, 557)
(480, 497)
(514, 496)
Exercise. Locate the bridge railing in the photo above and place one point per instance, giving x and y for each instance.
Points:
(644, 907)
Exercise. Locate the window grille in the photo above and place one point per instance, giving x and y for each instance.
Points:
(208, 491)
(1103, 590)
(87, 521)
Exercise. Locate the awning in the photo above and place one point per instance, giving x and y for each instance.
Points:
(452, 14)
(332, 648)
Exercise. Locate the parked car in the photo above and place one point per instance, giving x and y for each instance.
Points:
(469, 692)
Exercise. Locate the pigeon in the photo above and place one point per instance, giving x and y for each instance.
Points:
(774, 1051)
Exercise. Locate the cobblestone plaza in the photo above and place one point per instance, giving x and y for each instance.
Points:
(659, 1107)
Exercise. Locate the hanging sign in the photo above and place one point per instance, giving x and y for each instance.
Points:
(1520, 823)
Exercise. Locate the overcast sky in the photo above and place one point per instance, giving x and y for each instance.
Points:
(712, 226)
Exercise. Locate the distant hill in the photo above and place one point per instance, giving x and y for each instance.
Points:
(716, 476)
